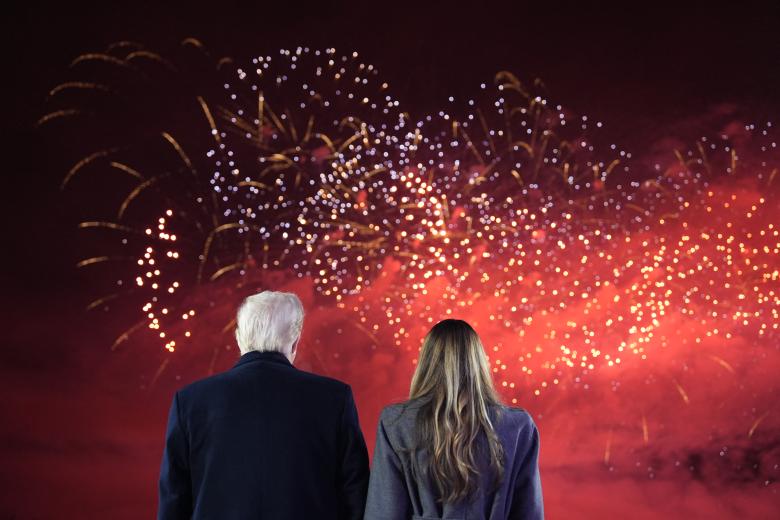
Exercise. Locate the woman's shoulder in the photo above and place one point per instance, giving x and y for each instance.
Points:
(399, 413)
(515, 418)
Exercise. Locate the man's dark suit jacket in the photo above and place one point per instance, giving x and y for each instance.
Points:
(263, 440)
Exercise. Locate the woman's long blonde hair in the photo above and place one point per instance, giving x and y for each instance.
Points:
(454, 384)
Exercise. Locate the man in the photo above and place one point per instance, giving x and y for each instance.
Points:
(264, 440)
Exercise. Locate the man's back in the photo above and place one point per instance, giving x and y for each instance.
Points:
(264, 440)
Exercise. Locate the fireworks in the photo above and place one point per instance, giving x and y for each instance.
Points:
(304, 166)
(568, 253)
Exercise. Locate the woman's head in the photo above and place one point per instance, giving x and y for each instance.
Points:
(452, 362)
(453, 377)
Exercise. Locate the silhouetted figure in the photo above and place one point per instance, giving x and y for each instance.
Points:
(453, 450)
(264, 440)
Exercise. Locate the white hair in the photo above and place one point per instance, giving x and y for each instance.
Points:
(269, 321)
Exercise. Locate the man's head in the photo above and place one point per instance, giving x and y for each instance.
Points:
(270, 321)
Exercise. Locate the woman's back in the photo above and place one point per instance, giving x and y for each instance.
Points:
(395, 492)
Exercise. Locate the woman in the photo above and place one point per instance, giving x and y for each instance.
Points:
(453, 450)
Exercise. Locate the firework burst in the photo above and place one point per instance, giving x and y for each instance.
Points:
(572, 255)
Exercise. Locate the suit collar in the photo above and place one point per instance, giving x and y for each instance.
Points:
(271, 357)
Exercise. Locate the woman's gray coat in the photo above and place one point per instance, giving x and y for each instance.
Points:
(394, 495)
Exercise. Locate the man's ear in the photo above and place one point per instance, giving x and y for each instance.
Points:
(294, 349)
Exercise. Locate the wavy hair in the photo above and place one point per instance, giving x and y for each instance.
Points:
(453, 382)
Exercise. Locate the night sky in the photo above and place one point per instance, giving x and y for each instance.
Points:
(81, 427)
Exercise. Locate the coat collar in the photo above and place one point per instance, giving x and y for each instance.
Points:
(271, 357)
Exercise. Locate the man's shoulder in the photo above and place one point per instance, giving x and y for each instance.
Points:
(322, 382)
(314, 381)
(205, 384)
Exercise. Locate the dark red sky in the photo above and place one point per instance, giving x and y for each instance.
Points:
(80, 438)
